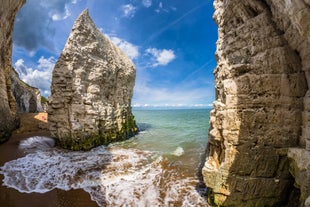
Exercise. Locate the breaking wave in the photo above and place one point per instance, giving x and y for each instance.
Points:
(37, 143)
(113, 176)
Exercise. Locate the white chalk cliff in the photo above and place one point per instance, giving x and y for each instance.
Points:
(260, 125)
(91, 92)
(8, 108)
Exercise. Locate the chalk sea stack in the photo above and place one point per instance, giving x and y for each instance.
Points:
(91, 91)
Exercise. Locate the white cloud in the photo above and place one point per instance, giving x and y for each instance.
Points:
(129, 10)
(128, 48)
(34, 27)
(40, 77)
(61, 16)
(147, 3)
(182, 96)
(160, 8)
(162, 57)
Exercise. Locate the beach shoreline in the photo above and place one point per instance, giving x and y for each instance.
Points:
(35, 124)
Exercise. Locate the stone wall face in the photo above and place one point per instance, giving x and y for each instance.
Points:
(261, 82)
(28, 98)
(92, 87)
(8, 119)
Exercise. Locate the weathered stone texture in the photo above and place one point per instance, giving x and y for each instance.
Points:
(28, 98)
(300, 169)
(261, 82)
(8, 119)
(91, 92)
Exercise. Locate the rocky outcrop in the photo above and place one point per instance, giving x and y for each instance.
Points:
(8, 118)
(91, 92)
(262, 102)
(28, 98)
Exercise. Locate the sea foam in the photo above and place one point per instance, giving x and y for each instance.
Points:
(37, 143)
(179, 151)
(113, 176)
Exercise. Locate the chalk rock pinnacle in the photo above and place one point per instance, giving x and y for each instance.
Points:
(91, 92)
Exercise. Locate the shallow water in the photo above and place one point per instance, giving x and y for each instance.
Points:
(158, 167)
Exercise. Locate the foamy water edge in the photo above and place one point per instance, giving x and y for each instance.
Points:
(113, 176)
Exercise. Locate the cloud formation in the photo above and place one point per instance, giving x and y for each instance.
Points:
(40, 77)
(33, 28)
(128, 48)
(181, 96)
(129, 10)
(161, 57)
(147, 3)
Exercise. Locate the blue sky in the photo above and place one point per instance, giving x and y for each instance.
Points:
(171, 42)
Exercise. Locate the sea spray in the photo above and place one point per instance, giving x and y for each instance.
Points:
(112, 176)
(36, 143)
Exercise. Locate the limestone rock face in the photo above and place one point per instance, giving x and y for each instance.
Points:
(262, 100)
(28, 98)
(300, 168)
(8, 119)
(91, 92)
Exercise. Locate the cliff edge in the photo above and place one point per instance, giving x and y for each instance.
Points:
(8, 109)
(261, 112)
(28, 98)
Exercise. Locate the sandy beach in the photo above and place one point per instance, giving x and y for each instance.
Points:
(35, 124)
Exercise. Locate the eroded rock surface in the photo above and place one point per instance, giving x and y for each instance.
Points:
(8, 118)
(262, 100)
(91, 92)
(28, 98)
(300, 169)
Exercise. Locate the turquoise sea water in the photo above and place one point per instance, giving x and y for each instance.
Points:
(167, 131)
(157, 167)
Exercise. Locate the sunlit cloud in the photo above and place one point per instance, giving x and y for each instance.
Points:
(61, 16)
(40, 77)
(161, 57)
(129, 10)
(147, 3)
(128, 48)
(182, 95)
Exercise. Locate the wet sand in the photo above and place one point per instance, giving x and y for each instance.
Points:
(34, 124)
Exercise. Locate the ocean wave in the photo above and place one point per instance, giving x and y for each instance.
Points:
(113, 176)
(37, 143)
